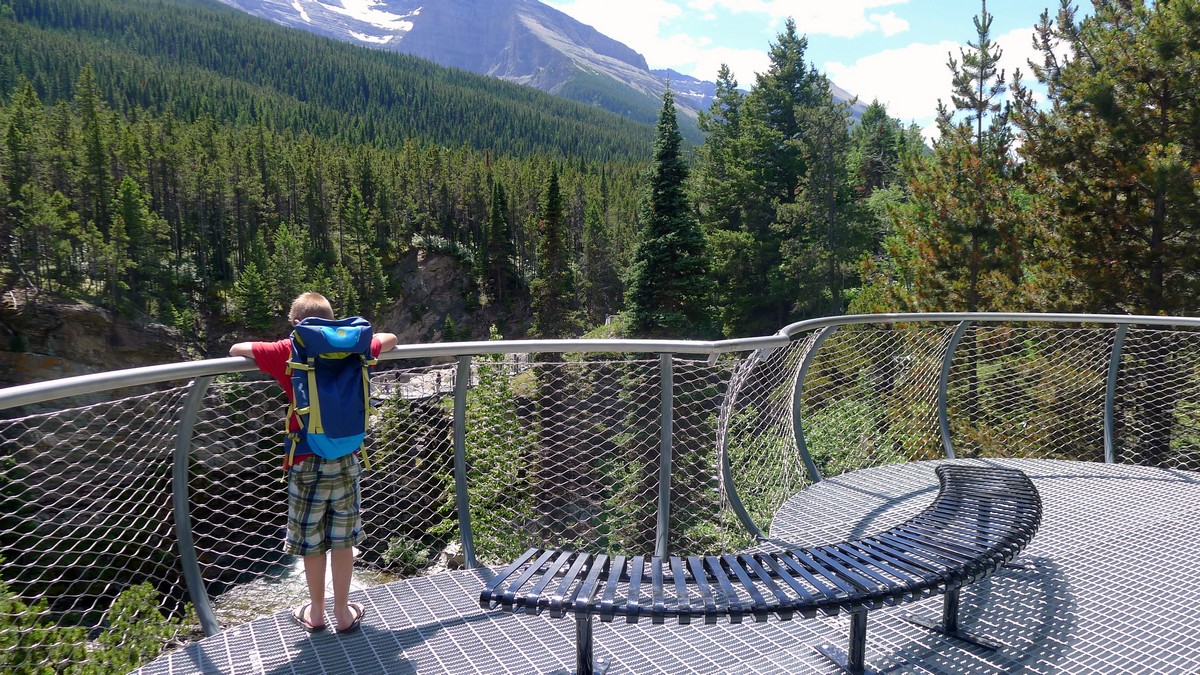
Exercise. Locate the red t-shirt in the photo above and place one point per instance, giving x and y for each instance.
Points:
(271, 358)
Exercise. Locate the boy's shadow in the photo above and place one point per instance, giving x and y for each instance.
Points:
(369, 649)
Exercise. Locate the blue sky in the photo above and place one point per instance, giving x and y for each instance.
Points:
(891, 50)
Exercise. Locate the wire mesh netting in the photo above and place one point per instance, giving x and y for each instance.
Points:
(561, 450)
(85, 516)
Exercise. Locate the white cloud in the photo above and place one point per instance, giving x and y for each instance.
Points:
(912, 79)
(688, 54)
(838, 18)
(644, 25)
(889, 23)
(909, 80)
(743, 63)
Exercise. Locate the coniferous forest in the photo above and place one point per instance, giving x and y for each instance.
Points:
(180, 162)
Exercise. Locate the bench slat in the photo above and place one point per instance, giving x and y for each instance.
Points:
(806, 604)
(561, 599)
(658, 612)
(782, 605)
(700, 577)
(607, 609)
(535, 592)
(758, 608)
(732, 602)
(633, 602)
(587, 592)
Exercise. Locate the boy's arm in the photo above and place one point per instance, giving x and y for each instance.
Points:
(386, 341)
(243, 349)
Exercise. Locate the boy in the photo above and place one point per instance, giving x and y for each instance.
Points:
(323, 495)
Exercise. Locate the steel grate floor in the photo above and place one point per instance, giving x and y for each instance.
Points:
(1110, 583)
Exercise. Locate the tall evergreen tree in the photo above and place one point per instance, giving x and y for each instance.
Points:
(724, 194)
(670, 293)
(286, 266)
(145, 234)
(826, 238)
(555, 311)
(773, 132)
(599, 281)
(253, 299)
(1117, 156)
(501, 280)
(1119, 153)
(97, 175)
(963, 227)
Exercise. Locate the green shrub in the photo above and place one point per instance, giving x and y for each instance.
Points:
(406, 555)
(135, 632)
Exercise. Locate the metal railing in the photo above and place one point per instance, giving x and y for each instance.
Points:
(171, 474)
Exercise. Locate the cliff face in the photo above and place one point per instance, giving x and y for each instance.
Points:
(44, 340)
(434, 286)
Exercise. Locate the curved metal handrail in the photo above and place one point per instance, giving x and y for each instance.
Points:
(49, 390)
(792, 329)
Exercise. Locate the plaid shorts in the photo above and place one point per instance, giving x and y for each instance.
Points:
(323, 505)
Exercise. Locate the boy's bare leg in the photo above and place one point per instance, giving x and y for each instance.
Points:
(343, 571)
(314, 575)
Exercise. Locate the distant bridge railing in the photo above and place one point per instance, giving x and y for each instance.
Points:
(172, 474)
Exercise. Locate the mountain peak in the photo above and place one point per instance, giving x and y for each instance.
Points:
(522, 41)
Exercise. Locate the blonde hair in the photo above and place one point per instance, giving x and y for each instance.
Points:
(310, 304)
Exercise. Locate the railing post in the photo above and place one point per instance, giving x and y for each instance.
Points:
(797, 393)
(943, 408)
(1110, 395)
(724, 465)
(183, 518)
(462, 380)
(666, 377)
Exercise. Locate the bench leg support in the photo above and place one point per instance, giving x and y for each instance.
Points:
(585, 662)
(855, 659)
(949, 625)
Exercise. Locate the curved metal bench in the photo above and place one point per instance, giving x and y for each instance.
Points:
(981, 518)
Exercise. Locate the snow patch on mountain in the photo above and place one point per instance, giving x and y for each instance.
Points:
(300, 9)
(367, 12)
(372, 39)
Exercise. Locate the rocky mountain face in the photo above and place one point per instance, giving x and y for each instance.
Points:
(48, 339)
(522, 41)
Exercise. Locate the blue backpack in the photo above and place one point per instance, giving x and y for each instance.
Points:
(332, 385)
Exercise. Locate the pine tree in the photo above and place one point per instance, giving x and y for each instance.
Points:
(286, 266)
(599, 281)
(964, 226)
(826, 236)
(501, 279)
(724, 193)
(1119, 153)
(1116, 155)
(97, 177)
(670, 293)
(766, 169)
(555, 314)
(252, 299)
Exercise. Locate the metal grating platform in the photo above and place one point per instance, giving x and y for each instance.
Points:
(1111, 583)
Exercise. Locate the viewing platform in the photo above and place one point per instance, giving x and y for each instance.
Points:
(1111, 583)
(829, 430)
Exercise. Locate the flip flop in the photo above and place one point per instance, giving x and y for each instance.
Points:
(359, 610)
(306, 624)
